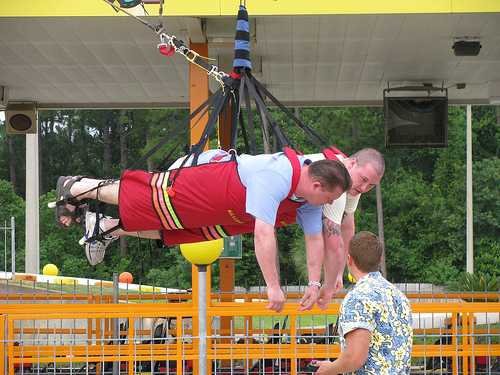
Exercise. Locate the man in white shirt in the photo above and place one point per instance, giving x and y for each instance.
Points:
(366, 168)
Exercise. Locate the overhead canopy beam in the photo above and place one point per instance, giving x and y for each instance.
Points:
(203, 8)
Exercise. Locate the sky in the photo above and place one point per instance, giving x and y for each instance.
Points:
(2, 116)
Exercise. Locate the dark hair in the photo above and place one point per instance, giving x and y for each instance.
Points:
(366, 251)
(330, 173)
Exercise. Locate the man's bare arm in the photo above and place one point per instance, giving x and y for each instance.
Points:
(266, 252)
(352, 358)
(347, 229)
(315, 251)
(334, 252)
(334, 262)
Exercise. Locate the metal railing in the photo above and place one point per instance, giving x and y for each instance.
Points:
(8, 234)
(243, 338)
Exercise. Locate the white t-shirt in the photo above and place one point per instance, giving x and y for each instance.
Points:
(346, 203)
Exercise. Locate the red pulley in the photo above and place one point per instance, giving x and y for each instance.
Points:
(235, 75)
(166, 49)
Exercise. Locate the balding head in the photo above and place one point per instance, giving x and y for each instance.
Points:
(366, 168)
(370, 156)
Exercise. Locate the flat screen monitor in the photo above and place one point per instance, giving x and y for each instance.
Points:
(416, 121)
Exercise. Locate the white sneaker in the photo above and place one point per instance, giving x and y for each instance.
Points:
(96, 249)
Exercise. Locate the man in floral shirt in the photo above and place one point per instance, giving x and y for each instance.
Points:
(375, 318)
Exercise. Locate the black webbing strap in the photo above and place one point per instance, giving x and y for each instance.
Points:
(244, 134)
(315, 137)
(221, 98)
(235, 114)
(248, 104)
(169, 155)
(259, 102)
(96, 236)
(202, 109)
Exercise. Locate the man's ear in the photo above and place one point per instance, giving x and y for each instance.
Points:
(350, 163)
(349, 259)
(316, 184)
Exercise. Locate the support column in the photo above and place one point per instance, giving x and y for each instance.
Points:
(380, 222)
(198, 93)
(32, 256)
(469, 215)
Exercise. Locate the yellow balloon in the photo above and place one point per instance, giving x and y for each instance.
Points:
(50, 270)
(202, 253)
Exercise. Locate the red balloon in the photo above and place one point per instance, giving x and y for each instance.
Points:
(125, 277)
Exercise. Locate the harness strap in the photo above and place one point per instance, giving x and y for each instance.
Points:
(294, 160)
(100, 236)
(331, 153)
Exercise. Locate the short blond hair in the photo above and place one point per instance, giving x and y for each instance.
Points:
(370, 156)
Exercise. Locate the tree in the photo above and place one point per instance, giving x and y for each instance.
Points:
(13, 206)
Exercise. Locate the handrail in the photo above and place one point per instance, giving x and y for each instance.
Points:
(93, 322)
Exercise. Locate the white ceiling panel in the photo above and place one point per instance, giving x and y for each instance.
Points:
(419, 27)
(350, 72)
(332, 28)
(360, 26)
(52, 73)
(470, 24)
(305, 29)
(113, 61)
(81, 53)
(388, 27)
(355, 50)
(55, 54)
(14, 54)
(98, 73)
(330, 51)
(144, 74)
(346, 90)
(367, 90)
(327, 73)
(372, 72)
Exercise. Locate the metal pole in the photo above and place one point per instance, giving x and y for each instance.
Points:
(202, 319)
(469, 221)
(116, 325)
(13, 244)
(32, 256)
(380, 222)
(5, 229)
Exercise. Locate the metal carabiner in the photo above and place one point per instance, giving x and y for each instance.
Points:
(191, 55)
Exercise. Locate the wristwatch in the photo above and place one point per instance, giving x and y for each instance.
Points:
(314, 283)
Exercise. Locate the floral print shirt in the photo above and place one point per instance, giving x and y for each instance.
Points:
(378, 306)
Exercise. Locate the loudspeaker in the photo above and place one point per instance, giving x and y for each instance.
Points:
(466, 48)
(416, 121)
(21, 118)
